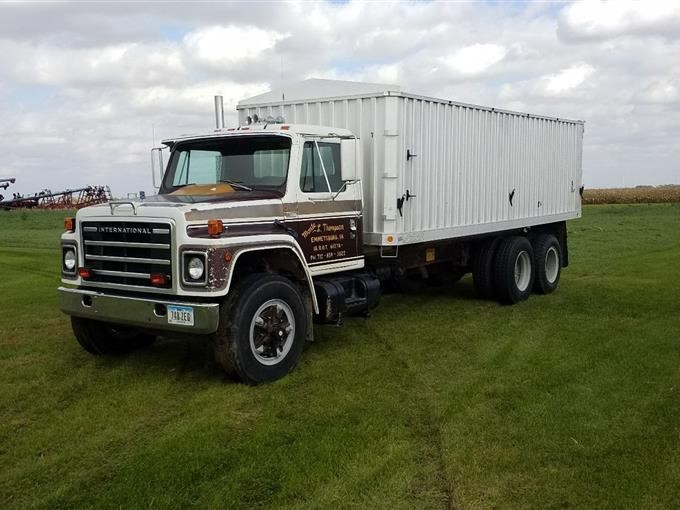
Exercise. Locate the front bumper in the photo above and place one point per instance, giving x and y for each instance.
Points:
(132, 311)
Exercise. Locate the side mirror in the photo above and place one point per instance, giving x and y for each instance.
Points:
(349, 159)
(157, 166)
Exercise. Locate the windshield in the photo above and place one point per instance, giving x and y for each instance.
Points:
(245, 162)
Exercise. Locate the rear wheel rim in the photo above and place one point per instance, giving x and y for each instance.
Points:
(272, 331)
(552, 264)
(522, 271)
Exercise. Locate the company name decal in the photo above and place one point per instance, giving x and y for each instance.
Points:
(326, 240)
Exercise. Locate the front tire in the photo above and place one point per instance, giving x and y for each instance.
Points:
(263, 327)
(101, 339)
(513, 270)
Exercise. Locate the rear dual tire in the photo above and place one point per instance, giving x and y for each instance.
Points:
(483, 267)
(508, 269)
(513, 272)
(547, 262)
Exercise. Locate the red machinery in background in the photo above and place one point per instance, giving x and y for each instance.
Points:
(45, 199)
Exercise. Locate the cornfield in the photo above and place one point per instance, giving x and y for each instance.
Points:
(637, 195)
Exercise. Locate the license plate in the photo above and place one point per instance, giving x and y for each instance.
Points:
(182, 315)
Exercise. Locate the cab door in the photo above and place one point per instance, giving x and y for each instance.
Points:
(329, 211)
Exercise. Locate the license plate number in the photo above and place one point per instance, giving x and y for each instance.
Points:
(182, 315)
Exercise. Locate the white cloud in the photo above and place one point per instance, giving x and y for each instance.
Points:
(111, 65)
(220, 45)
(594, 19)
(195, 98)
(662, 91)
(475, 58)
(569, 82)
(567, 79)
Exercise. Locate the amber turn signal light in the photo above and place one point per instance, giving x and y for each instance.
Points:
(215, 227)
(84, 273)
(70, 224)
(157, 279)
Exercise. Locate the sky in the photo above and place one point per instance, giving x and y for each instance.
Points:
(86, 88)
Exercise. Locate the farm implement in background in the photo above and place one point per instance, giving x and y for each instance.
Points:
(69, 199)
(4, 183)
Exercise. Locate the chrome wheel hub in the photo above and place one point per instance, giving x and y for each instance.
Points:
(272, 331)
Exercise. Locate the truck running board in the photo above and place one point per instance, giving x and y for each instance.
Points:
(352, 294)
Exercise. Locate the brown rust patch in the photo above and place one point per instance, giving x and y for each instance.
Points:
(218, 268)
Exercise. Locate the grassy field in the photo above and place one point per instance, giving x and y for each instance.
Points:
(437, 401)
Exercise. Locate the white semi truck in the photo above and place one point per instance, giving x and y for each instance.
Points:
(325, 194)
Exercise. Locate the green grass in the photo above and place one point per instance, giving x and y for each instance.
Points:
(438, 400)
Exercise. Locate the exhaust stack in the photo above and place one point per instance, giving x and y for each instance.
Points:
(219, 113)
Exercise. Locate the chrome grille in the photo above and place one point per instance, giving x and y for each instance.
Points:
(127, 253)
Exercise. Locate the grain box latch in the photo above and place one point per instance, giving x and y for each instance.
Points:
(404, 198)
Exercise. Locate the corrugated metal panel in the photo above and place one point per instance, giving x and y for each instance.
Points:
(317, 88)
(469, 160)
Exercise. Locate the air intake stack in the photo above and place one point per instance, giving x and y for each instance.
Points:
(219, 113)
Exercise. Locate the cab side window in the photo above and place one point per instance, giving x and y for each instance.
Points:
(312, 178)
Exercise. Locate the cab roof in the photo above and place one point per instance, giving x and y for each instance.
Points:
(265, 129)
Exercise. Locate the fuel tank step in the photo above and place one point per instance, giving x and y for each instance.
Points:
(350, 294)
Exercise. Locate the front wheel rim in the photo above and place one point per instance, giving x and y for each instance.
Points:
(522, 271)
(272, 332)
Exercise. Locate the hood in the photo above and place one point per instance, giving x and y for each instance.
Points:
(197, 194)
(232, 206)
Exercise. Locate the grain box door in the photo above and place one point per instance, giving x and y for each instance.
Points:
(329, 222)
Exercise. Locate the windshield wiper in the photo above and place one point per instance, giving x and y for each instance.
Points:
(235, 184)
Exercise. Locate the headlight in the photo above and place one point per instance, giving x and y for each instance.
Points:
(195, 268)
(69, 259)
